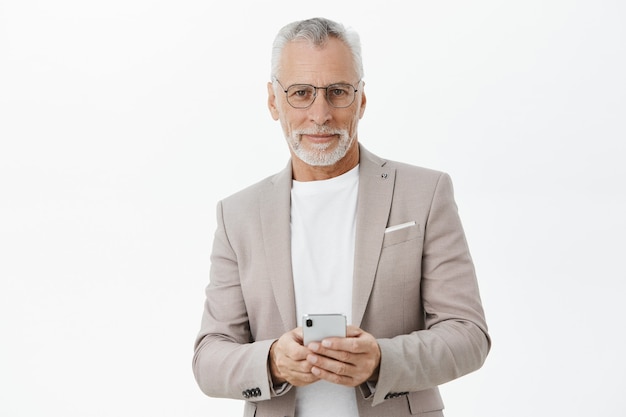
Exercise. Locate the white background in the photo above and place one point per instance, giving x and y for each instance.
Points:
(123, 122)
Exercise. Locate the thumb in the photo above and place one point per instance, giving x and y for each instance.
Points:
(353, 331)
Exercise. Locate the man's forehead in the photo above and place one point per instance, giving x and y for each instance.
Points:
(304, 62)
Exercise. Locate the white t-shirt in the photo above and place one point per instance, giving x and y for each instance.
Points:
(323, 228)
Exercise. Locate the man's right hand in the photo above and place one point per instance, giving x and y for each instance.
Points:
(288, 360)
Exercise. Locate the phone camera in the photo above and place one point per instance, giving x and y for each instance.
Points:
(309, 323)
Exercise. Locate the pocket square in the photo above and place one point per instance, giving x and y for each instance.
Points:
(399, 226)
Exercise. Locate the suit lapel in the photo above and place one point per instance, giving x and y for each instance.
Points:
(275, 223)
(376, 183)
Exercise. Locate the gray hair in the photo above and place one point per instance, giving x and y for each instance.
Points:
(316, 31)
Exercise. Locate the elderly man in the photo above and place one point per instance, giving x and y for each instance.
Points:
(339, 230)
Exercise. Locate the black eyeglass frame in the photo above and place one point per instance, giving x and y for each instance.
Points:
(315, 88)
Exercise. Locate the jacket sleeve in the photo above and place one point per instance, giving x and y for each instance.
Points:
(455, 339)
(227, 363)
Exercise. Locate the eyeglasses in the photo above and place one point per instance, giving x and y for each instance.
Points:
(302, 96)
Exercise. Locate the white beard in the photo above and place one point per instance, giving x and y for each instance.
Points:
(318, 155)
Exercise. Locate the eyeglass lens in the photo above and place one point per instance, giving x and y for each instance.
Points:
(303, 95)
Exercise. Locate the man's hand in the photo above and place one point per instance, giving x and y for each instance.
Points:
(346, 361)
(288, 360)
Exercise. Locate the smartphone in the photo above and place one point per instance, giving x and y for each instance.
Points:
(316, 327)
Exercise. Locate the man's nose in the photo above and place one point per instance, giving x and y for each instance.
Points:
(320, 111)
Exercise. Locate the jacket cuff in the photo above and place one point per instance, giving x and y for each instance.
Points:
(368, 389)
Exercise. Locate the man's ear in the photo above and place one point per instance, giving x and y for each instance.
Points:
(271, 101)
(363, 100)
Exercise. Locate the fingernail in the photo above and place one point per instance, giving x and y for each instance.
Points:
(315, 371)
(326, 343)
(314, 346)
(311, 358)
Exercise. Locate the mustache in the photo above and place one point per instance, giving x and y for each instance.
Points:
(321, 130)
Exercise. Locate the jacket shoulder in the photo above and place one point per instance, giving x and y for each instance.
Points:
(248, 194)
(402, 169)
(249, 197)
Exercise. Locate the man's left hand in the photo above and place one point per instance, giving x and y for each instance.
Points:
(346, 361)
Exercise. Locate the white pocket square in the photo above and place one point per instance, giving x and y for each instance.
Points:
(399, 226)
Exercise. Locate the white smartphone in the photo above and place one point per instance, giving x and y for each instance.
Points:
(316, 327)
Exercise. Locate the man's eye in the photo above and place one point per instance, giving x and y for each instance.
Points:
(300, 93)
(338, 92)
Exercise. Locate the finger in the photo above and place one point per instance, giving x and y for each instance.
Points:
(341, 372)
(338, 344)
(353, 331)
(297, 332)
(334, 366)
(298, 373)
(337, 355)
(302, 380)
(333, 377)
(293, 349)
(297, 353)
(362, 343)
(293, 358)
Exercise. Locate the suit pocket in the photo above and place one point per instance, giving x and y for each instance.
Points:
(427, 401)
(401, 235)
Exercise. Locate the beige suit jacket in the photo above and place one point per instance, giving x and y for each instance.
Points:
(414, 289)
